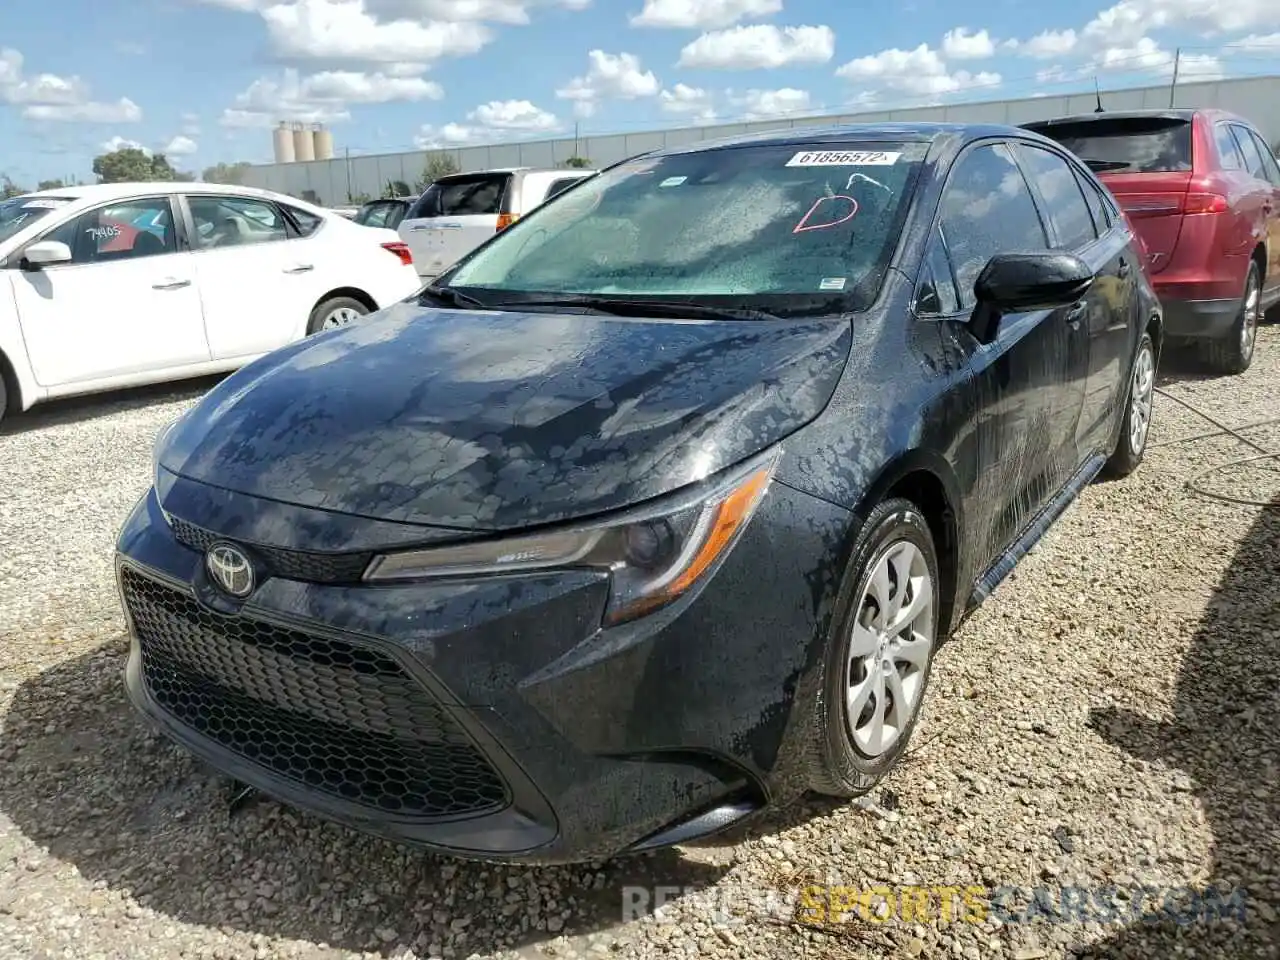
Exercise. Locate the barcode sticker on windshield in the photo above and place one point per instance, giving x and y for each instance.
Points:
(844, 158)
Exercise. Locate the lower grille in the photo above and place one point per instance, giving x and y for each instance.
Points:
(344, 720)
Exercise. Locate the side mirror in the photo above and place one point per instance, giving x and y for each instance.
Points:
(1022, 282)
(46, 253)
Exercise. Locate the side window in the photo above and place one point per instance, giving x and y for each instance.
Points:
(308, 223)
(1097, 208)
(235, 222)
(1252, 159)
(1269, 163)
(987, 209)
(121, 231)
(1064, 203)
(1228, 152)
(937, 293)
(561, 185)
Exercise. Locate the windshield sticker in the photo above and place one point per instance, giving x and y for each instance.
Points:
(44, 204)
(844, 210)
(844, 158)
(831, 283)
(104, 233)
(673, 181)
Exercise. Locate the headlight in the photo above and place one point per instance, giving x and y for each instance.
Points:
(654, 554)
(158, 446)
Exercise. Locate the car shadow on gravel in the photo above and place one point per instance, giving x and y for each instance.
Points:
(93, 406)
(1223, 745)
(85, 779)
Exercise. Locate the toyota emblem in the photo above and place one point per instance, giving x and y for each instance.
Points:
(230, 569)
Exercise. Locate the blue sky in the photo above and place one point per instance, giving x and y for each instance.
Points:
(206, 79)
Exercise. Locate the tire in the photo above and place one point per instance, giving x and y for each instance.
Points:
(326, 311)
(4, 397)
(844, 763)
(1135, 423)
(1234, 353)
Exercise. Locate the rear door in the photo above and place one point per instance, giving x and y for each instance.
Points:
(1267, 173)
(1146, 163)
(454, 216)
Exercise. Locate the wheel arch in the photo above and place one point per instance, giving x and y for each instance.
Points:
(12, 387)
(355, 293)
(927, 480)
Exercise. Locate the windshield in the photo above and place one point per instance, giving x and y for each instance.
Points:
(20, 212)
(782, 229)
(1129, 145)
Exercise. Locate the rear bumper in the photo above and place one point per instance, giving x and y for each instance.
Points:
(1199, 319)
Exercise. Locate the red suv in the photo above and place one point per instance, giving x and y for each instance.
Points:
(1202, 190)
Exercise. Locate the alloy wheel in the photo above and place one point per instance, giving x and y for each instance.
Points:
(1252, 315)
(893, 638)
(340, 318)
(1141, 398)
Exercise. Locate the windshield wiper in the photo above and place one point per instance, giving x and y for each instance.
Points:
(453, 298)
(640, 308)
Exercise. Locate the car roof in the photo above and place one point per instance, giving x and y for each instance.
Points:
(95, 192)
(1183, 113)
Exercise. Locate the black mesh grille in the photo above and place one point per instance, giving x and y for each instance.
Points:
(290, 564)
(344, 720)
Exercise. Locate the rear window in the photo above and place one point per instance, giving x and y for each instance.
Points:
(1127, 144)
(561, 185)
(467, 196)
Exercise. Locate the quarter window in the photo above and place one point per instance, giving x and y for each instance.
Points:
(937, 296)
(1228, 152)
(987, 209)
(235, 222)
(1064, 203)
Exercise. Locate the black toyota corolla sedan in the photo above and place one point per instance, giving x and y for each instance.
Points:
(654, 509)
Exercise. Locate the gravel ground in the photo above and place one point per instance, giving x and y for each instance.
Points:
(1108, 718)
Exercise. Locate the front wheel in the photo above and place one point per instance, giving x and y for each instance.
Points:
(1135, 425)
(880, 653)
(334, 313)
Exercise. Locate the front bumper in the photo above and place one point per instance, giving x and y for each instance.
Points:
(492, 718)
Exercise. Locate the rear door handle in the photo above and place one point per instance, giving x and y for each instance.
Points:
(1124, 269)
(170, 284)
(300, 268)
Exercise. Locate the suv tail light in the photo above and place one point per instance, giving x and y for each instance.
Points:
(505, 220)
(402, 251)
(1205, 203)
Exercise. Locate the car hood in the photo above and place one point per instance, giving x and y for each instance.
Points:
(481, 420)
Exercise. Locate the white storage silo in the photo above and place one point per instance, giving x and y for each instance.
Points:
(282, 143)
(303, 146)
(323, 143)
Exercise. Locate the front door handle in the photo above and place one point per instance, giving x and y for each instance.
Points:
(171, 284)
(1076, 312)
(1124, 269)
(300, 268)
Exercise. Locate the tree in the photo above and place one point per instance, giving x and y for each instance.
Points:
(577, 162)
(230, 173)
(395, 188)
(50, 185)
(131, 164)
(8, 188)
(439, 164)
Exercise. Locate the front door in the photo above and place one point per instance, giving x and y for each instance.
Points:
(1027, 386)
(126, 304)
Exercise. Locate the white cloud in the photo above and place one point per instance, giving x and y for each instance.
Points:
(760, 47)
(764, 104)
(962, 44)
(49, 97)
(489, 123)
(702, 14)
(688, 101)
(121, 143)
(1046, 45)
(1258, 43)
(453, 11)
(321, 97)
(921, 71)
(346, 30)
(609, 77)
(181, 146)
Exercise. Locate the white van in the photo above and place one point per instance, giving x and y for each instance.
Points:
(457, 213)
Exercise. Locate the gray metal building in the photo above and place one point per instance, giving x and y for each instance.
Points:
(333, 181)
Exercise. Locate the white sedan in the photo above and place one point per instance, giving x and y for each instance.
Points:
(116, 285)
